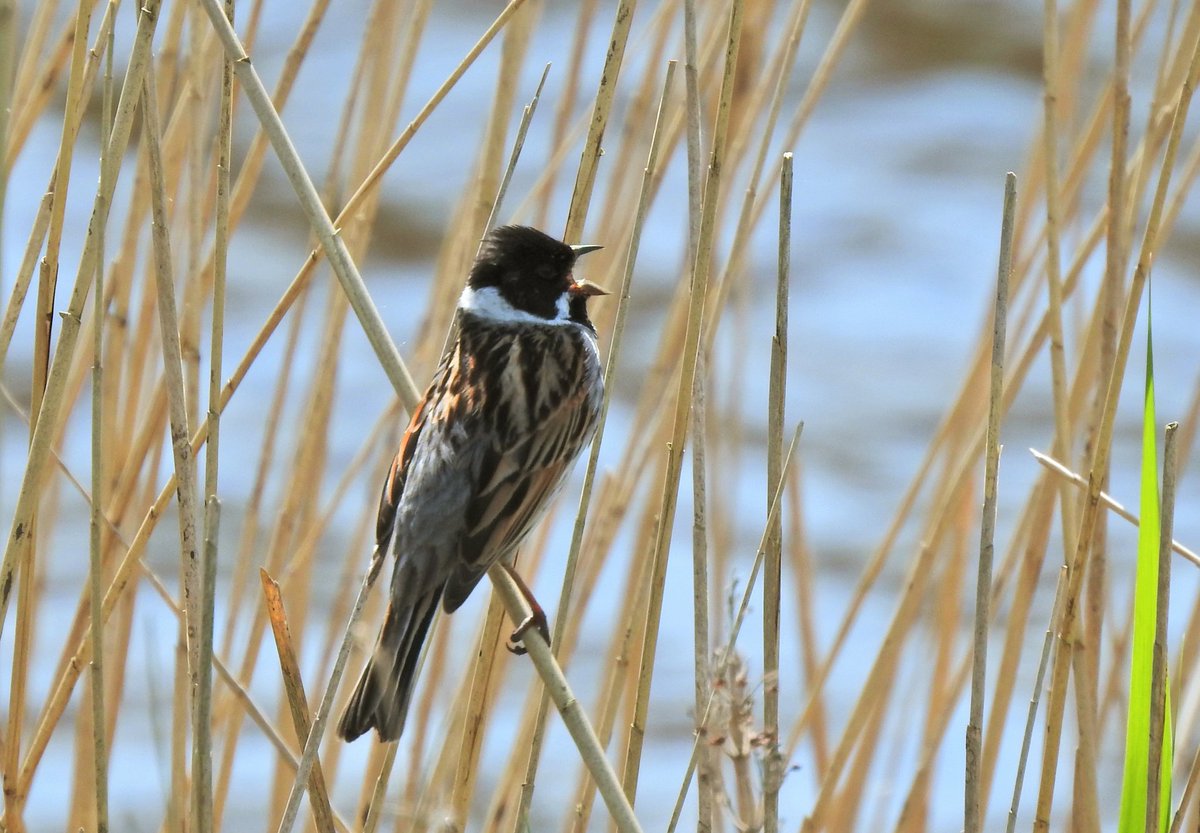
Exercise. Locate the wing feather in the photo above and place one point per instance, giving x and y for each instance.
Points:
(526, 472)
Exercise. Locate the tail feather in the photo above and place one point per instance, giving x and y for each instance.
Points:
(381, 699)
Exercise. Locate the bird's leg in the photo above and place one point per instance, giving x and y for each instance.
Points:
(535, 619)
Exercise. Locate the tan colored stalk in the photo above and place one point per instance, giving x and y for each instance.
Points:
(585, 178)
(37, 235)
(95, 568)
(203, 809)
(8, 54)
(185, 465)
(987, 532)
(484, 682)
(567, 100)
(297, 701)
(773, 575)
(1058, 371)
(1035, 699)
(43, 326)
(48, 274)
(699, 283)
(375, 805)
(618, 661)
(1081, 482)
(1116, 257)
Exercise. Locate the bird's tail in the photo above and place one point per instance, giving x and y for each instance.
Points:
(380, 701)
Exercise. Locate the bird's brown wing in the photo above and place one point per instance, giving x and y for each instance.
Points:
(517, 481)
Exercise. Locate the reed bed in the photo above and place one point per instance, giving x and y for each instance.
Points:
(181, 603)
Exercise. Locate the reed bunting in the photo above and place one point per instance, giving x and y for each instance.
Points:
(509, 409)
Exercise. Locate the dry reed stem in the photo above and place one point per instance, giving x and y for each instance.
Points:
(297, 701)
(204, 808)
(701, 268)
(484, 673)
(173, 606)
(8, 49)
(1035, 698)
(706, 795)
(1116, 256)
(1058, 370)
(773, 574)
(43, 326)
(1158, 685)
(987, 529)
(375, 803)
(48, 276)
(1085, 774)
(518, 146)
(589, 161)
(37, 235)
(185, 466)
(95, 567)
(1108, 500)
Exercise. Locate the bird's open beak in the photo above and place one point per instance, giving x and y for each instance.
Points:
(584, 248)
(586, 288)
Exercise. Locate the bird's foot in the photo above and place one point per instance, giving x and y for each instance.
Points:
(536, 620)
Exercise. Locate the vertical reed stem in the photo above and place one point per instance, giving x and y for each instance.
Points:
(773, 571)
(987, 532)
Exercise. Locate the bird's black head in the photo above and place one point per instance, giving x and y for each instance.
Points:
(531, 273)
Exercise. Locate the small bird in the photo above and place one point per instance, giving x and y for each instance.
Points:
(489, 445)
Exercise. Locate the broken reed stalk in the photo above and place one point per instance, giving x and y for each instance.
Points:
(773, 574)
(987, 530)
(1102, 449)
(561, 617)
(1158, 684)
(701, 267)
(296, 698)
